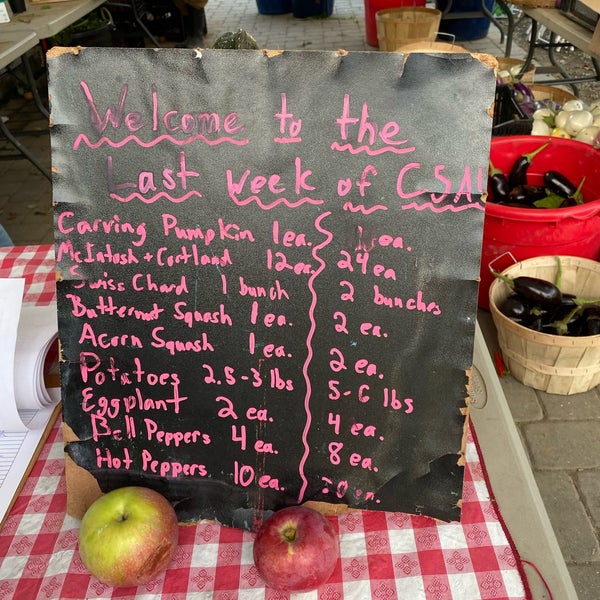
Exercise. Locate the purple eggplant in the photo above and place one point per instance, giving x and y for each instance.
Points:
(537, 291)
(559, 184)
(518, 172)
(498, 184)
(526, 194)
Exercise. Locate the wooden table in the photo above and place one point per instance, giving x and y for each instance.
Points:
(14, 46)
(50, 18)
(23, 33)
(560, 26)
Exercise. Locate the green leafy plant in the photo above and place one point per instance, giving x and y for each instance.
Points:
(97, 19)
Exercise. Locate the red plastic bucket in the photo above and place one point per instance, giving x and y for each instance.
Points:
(372, 6)
(511, 234)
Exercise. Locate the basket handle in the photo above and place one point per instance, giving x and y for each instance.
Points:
(451, 37)
(503, 255)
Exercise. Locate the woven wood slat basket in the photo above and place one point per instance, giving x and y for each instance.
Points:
(545, 92)
(552, 363)
(429, 46)
(535, 4)
(398, 26)
(506, 64)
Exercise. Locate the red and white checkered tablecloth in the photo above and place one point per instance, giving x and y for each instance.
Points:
(36, 265)
(384, 556)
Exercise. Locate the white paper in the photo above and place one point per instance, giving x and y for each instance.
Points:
(37, 331)
(26, 334)
(26, 406)
(16, 450)
(11, 298)
(4, 13)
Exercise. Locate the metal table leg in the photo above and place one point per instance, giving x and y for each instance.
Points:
(33, 87)
(5, 131)
(448, 15)
(550, 46)
(531, 50)
(551, 55)
(510, 26)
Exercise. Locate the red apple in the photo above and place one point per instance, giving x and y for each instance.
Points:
(128, 536)
(296, 549)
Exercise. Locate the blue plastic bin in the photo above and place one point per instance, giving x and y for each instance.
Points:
(312, 8)
(274, 7)
(465, 29)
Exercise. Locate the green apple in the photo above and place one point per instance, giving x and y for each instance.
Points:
(128, 536)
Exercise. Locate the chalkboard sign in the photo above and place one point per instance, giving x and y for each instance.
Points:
(268, 268)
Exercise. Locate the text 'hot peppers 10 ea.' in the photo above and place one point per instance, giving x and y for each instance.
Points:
(541, 306)
(515, 189)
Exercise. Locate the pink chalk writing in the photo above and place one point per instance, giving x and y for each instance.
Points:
(465, 191)
(289, 127)
(240, 290)
(365, 133)
(172, 121)
(273, 186)
(328, 238)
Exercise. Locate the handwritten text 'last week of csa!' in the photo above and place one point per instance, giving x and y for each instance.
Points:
(358, 134)
(180, 183)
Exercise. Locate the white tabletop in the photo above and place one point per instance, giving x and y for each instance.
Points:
(13, 44)
(46, 19)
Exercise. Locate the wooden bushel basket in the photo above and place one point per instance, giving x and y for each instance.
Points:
(429, 46)
(547, 92)
(506, 64)
(399, 26)
(536, 4)
(552, 363)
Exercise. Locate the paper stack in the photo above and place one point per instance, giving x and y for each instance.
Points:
(27, 333)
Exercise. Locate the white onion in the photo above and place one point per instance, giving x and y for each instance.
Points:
(595, 108)
(542, 113)
(540, 127)
(588, 134)
(561, 118)
(575, 104)
(578, 120)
